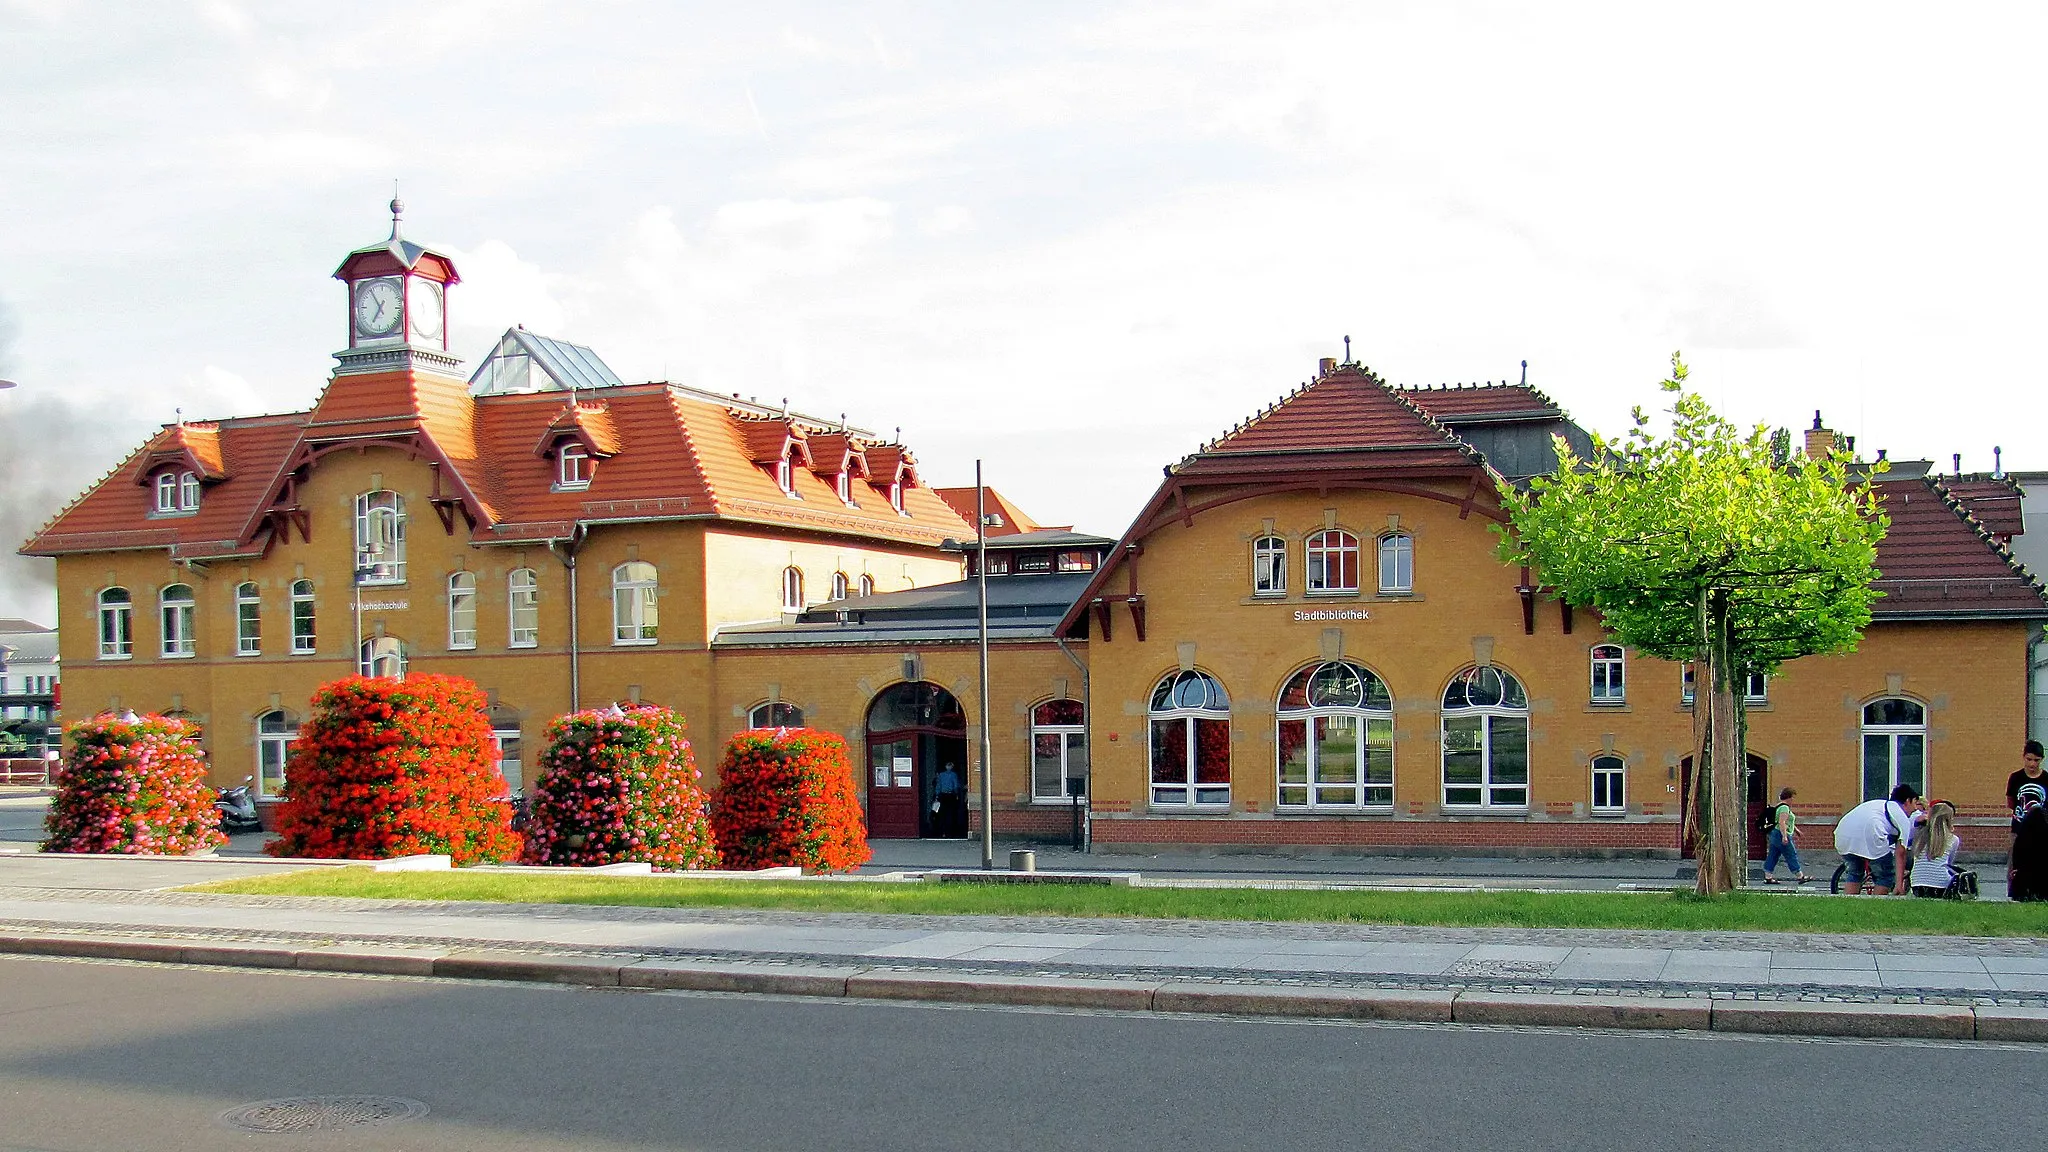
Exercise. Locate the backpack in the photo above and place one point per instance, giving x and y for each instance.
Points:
(1770, 823)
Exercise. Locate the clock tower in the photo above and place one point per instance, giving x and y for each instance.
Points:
(397, 306)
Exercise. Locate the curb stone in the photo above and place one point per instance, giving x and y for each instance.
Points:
(1785, 1018)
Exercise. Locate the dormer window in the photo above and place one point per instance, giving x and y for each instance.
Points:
(188, 492)
(176, 493)
(166, 492)
(896, 496)
(575, 468)
(845, 487)
(783, 477)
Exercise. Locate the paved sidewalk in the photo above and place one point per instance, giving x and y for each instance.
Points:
(1873, 969)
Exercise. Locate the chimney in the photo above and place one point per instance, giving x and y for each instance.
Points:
(1820, 440)
(1325, 366)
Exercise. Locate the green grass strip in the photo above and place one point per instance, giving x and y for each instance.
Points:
(1677, 910)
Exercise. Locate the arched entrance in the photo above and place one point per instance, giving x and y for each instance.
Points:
(915, 730)
(1757, 785)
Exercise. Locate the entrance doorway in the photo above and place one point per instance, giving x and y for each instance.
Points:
(1757, 774)
(916, 731)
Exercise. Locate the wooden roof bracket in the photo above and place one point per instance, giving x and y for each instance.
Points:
(1137, 604)
(1528, 593)
(1102, 617)
(446, 506)
(1471, 499)
(1180, 499)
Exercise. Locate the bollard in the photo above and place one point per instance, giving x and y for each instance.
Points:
(1023, 860)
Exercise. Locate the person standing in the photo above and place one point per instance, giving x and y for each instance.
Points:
(950, 803)
(2027, 876)
(1784, 826)
(2029, 772)
(1873, 839)
(1935, 845)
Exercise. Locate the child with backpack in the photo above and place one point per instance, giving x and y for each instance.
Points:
(1781, 826)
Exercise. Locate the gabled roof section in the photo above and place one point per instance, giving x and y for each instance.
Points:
(589, 421)
(1348, 410)
(836, 452)
(526, 361)
(1993, 500)
(888, 463)
(1939, 561)
(770, 439)
(195, 447)
(1476, 403)
(1014, 520)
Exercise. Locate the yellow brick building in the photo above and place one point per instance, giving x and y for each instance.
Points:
(1304, 641)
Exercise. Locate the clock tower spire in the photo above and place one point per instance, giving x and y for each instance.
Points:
(397, 306)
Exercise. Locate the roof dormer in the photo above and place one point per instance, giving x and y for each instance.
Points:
(177, 464)
(838, 460)
(580, 435)
(893, 471)
(781, 446)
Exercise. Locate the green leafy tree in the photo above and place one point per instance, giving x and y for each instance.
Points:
(1716, 546)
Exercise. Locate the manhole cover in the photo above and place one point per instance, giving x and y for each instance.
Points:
(321, 1113)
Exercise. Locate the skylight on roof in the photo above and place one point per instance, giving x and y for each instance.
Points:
(528, 362)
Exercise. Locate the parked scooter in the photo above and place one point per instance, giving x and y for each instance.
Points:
(238, 809)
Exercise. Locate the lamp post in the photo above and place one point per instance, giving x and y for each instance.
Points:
(988, 827)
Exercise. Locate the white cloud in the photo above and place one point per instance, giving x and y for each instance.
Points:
(500, 290)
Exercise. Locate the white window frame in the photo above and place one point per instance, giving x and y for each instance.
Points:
(1490, 717)
(570, 475)
(188, 492)
(1614, 770)
(792, 589)
(1893, 735)
(117, 624)
(1269, 566)
(785, 476)
(1365, 719)
(1756, 687)
(839, 586)
(1607, 674)
(166, 492)
(844, 484)
(1073, 739)
(775, 714)
(867, 584)
(179, 618)
(501, 735)
(306, 639)
(461, 611)
(1193, 796)
(1320, 549)
(382, 656)
(248, 619)
(636, 604)
(896, 497)
(522, 595)
(380, 537)
(1399, 548)
(275, 735)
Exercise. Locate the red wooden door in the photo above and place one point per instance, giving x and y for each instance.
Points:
(892, 789)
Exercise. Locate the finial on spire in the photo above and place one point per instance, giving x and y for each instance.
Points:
(1347, 350)
(1525, 373)
(397, 209)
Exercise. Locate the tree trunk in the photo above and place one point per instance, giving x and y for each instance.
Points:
(1724, 841)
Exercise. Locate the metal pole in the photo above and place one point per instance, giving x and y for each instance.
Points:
(988, 828)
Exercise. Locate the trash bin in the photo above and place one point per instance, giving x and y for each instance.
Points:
(1023, 860)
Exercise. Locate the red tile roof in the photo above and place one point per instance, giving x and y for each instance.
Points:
(1994, 500)
(1458, 403)
(677, 453)
(591, 422)
(1349, 413)
(1937, 560)
(1015, 522)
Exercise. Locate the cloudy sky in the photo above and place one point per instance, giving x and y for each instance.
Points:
(1073, 239)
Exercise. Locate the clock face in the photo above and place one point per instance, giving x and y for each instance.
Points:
(379, 307)
(426, 308)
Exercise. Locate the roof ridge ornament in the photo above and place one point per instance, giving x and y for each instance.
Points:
(397, 209)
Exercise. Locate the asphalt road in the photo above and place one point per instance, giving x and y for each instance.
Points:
(102, 1056)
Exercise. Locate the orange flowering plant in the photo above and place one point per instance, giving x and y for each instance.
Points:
(619, 784)
(135, 786)
(787, 797)
(396, 768)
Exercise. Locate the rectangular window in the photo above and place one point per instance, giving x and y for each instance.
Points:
(1756, 689)
(525, 593)
(179, 642)
(1077, 561)
(1032, 562)
(302, 616)
(1891, 759)
(248, 624)
(1057, 757)
(117, 631)
(1397, 563)
(1609, 687)
(1181, 742)
(272, 751)
(1486, 761)
(511, 762)
(1269, 566)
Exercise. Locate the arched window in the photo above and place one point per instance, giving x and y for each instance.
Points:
(383, 656)
(896, 496)
(462, 610)
(117, 624)
(1059, 751)
(1269, 566)
(188, 492)
(380, 538)
(1486, 740)
(303, 632)
(1190, 742)
(177, 609)
(574, 463)
(1610, 683)
(1894, 746)
(775, 714)
(844, 484)
(166, 492)
(1397, 563)
(792, 589)
(522, 589)
(1610, 785)
(248, 620)
(839, 586)
(275, 732)
(785, 478)
(1332, 562)
(635, 612)
(1336, 739)
(867, 584)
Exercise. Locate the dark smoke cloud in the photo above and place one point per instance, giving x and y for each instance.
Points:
(51, 449)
